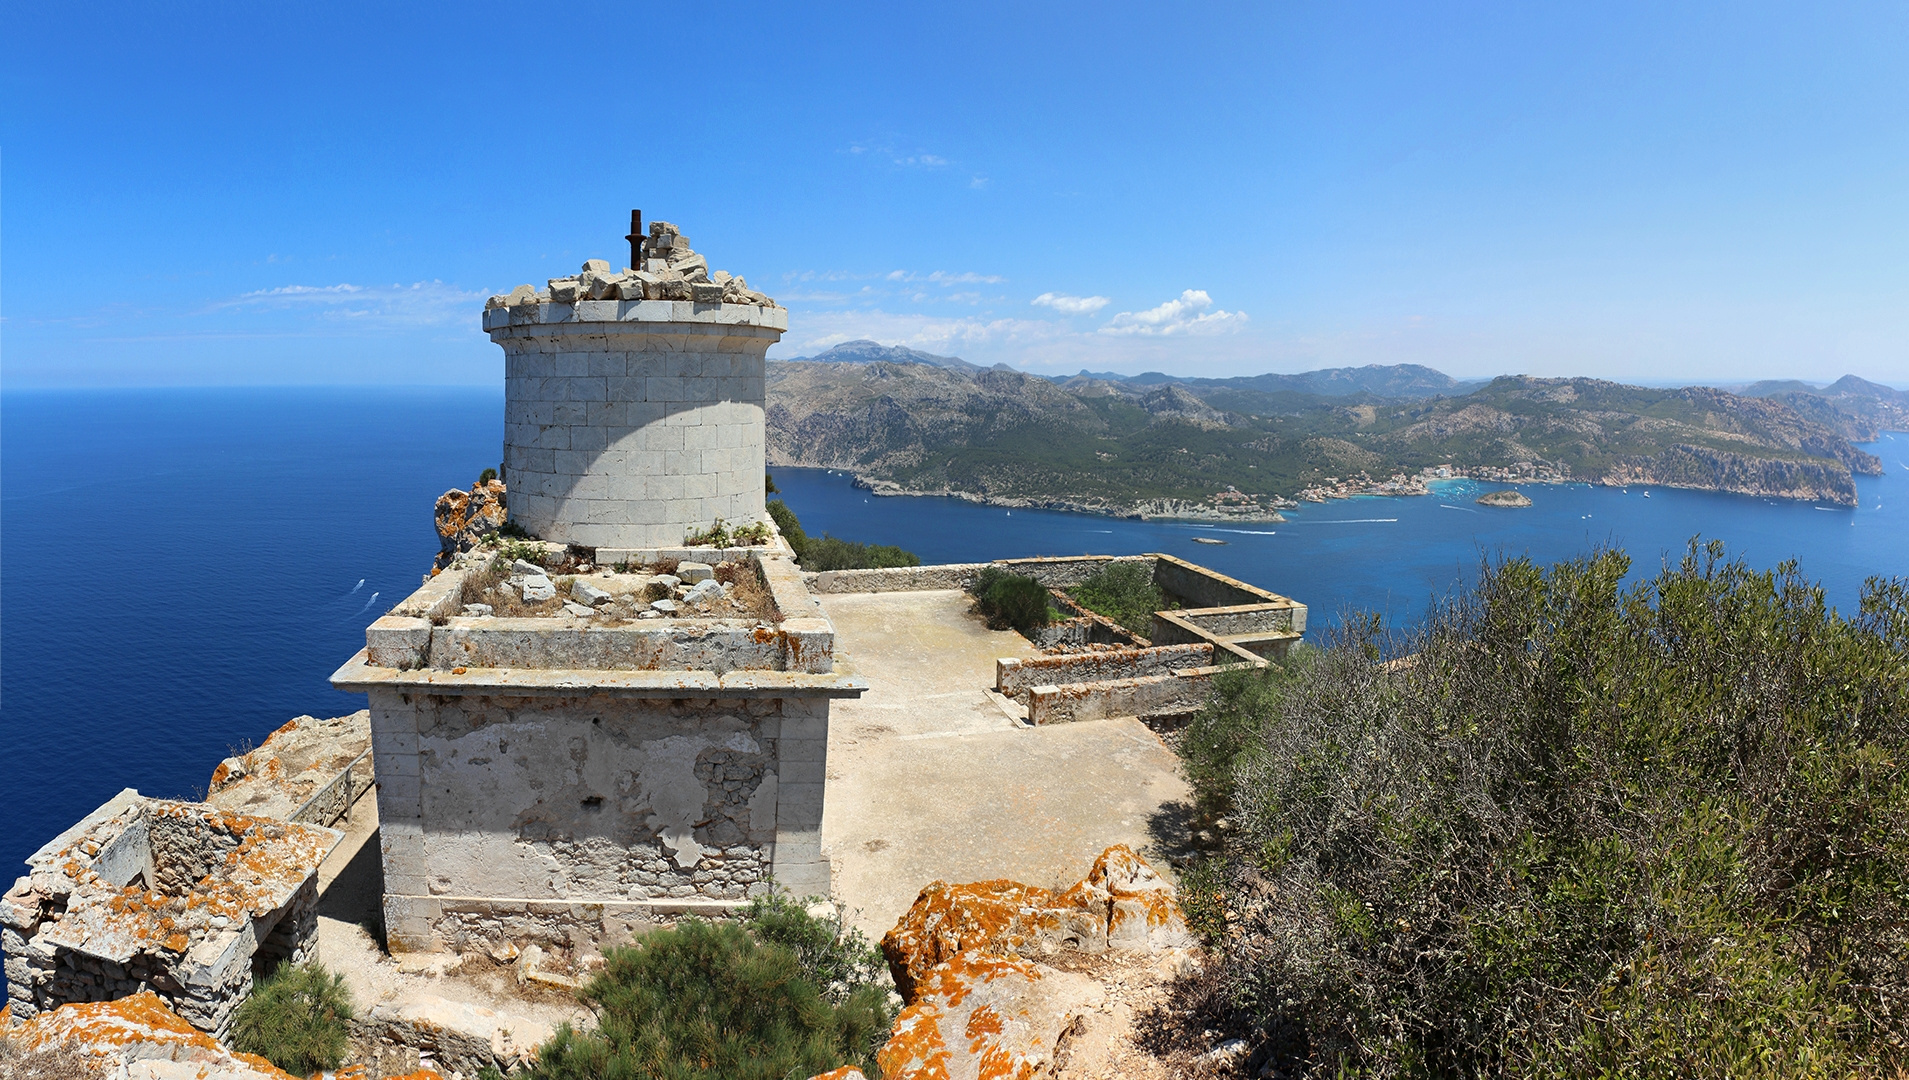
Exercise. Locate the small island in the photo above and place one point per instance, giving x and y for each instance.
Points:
(1504, 498)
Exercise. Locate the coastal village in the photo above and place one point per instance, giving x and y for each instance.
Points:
(616, 703)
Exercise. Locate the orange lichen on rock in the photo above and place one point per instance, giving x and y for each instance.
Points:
(846, 1072)
(1121, 904)
(137, 1028)
(982, 1016)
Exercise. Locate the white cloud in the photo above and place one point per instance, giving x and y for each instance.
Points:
(922, 161)
(421, 303)
(1071, 305)
(816, 331)
(978, 182)
(1177, 317)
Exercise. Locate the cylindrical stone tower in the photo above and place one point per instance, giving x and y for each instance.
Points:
(630, 422)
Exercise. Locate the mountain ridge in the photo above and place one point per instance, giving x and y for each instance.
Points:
(1124, 446)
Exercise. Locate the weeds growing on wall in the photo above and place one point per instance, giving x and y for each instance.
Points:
(714, 1001)
(296, 1018)
(1123, 592)
(1573, 828)
(1012, 601)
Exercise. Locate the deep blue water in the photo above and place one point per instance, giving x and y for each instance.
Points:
(1395, 555)
(180, 571)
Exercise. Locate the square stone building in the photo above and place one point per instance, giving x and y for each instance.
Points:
(608, 724)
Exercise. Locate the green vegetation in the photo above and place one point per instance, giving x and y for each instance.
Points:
(1012, 601)
(487, 476)
(781, 995)
(1097, 444)
(296, 1019)
(830, 553)
(1571, 828)
(1125, 593)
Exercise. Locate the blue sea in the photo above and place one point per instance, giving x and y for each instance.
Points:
(181, 570)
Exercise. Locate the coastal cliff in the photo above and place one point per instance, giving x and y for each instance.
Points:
(1705, 469)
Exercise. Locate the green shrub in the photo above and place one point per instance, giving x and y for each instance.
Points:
(1576, 828)
(769, 484)
(1012, 601)
(296, 1019)
(487, 476)
(707, 1001)
(788, 526)
(836, 956)
(830, 553)
(1125, 593)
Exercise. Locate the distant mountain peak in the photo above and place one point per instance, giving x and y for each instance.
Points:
(864, 351)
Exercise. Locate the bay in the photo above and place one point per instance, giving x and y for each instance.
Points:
(183, 569)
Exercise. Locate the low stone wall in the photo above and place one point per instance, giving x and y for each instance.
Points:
(1060, 572)
(1014, 678)
(1118, 697)
(895, 579)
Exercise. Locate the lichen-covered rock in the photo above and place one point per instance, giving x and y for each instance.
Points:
(136, 1037)
(982, 1016)
(466, 517)
(1121, 904)
(1142, 909)
(846, 1072)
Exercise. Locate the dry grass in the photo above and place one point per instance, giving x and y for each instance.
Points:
(747, 590)
(51, 1063)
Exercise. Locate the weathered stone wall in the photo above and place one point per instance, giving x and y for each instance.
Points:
(488, 804)
(629, 423)
(1118, 697)
(1014, 678)
(896, 579)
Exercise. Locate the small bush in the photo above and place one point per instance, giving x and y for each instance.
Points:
(788, 526)
(707, 1001)
(486, 476)
(769, 484)
(1123, 592)
(830, 553)
(1012, 601)
(837, 956)
(296, 1019)
(755, 533)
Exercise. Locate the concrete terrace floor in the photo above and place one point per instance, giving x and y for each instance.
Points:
(930, 778)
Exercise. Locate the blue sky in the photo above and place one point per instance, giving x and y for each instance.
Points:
(266, 194)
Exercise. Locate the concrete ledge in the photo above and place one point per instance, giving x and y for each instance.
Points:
(358, 675)
(1014, 678)
(1118, 697)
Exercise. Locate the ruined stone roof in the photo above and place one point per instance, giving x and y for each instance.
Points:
(93, 890)
(672, 271)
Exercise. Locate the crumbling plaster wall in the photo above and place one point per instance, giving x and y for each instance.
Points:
(494, 806)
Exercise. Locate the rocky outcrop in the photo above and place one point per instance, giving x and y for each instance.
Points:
(464, 518)
(137, 1038)
(1504, 498)
(670, 271)
(1706, 469)
(967, 960)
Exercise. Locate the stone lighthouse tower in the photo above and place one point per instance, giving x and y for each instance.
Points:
(633, 400)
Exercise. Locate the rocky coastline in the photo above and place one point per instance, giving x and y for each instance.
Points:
(1142, 510)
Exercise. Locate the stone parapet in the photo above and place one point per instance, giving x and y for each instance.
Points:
(1181, 691)
(1015, 678)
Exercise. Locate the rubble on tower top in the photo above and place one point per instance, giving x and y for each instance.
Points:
(671, 270)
